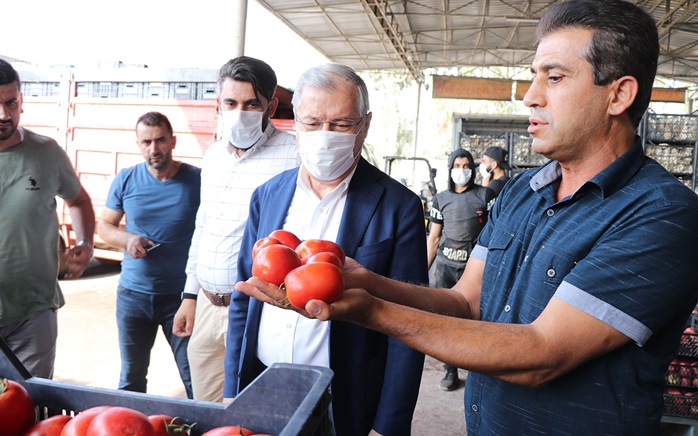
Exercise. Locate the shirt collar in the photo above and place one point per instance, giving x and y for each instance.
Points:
(338, 190)
(609, 180)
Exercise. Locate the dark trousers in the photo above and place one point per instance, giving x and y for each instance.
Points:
(138, 317)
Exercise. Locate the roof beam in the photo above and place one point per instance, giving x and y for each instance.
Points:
(387, 21)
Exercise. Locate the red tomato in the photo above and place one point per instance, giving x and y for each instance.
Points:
(310, 247)
(79, 424)
(16, 408)
(52, 426)
(261, 243)
(228, 430)
(272, 263)
(287, 238)
(326, 256)
(120, 421)
(165, 425)
(314, 281)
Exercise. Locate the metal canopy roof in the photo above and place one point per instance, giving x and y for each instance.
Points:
(421, 34)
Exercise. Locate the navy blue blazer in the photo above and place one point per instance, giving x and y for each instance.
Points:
(376, 378)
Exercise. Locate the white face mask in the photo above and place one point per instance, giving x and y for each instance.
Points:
(484, 172)
(243, 128)
(461, 176)
(326, 155)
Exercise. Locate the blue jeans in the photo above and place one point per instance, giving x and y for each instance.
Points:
(138, 316)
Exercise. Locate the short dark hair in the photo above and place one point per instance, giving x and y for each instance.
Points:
(624, 42)
(254, 71)
(153, 119)
(8, 74)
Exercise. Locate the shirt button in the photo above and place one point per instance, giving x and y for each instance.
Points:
(550, 212)
(474, 408)
(507, 308)
(288, 326)
(550, 272)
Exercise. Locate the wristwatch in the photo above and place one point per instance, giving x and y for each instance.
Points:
(84, 243)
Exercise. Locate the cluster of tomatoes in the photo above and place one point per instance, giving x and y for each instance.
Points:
(307, 270)
(18, 419)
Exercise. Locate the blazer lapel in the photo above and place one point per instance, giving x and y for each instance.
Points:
(279, 202)
(363, 198)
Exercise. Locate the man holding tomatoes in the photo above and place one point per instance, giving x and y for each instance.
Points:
(35, 169)
(575, 297)
(251, 151)
(335, 195)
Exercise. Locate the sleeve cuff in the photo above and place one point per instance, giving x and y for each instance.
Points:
(188, 296)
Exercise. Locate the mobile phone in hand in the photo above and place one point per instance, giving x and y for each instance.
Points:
(152, 247)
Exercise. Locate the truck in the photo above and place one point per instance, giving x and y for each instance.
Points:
(92, 115)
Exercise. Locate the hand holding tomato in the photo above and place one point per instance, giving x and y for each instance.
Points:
(315, 272)
(261, 243)
(285, 237)
(273, 262)
(310, 247)
(314, 281)
(326, 256)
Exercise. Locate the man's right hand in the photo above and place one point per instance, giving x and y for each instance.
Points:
(183, 323)
(137, 245)
(356, 305)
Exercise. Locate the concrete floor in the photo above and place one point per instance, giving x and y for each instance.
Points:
(88, 354)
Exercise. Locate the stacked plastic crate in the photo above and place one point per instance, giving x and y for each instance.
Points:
(671, 141)
(681, 394)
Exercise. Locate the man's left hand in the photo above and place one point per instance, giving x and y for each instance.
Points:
(77, 259)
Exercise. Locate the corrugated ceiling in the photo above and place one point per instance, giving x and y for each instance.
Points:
(422, 34)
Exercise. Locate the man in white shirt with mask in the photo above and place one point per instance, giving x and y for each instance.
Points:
(250, 152)
(335, 195)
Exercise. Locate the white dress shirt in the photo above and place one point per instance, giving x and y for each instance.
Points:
(284, 335)
(227, 183)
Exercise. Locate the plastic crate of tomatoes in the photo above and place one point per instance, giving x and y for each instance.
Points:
(688, 347)
(681, 402)
(284, 400)
(683, 372)
(681, 393)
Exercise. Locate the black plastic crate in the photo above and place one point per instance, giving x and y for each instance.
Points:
(522, 153)
(672, 128)
(477, 144)
(683, 373)
(284, 400)
(683, 404)
(688, 346)
(675, 158)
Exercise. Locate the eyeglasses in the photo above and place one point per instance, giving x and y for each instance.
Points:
(343, 125)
